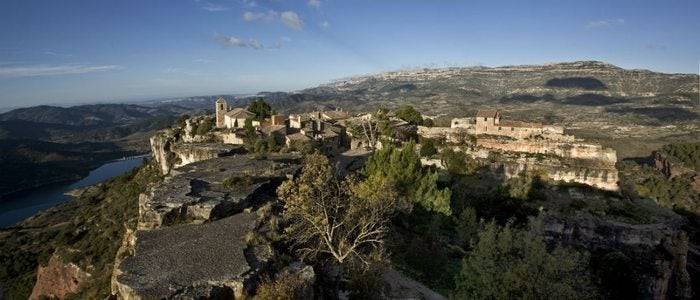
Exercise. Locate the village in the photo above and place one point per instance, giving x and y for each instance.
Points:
(521, 147)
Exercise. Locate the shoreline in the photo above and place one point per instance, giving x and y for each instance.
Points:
(12, 194)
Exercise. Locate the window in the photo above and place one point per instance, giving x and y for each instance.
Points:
(485, 119)
(512, 129)
(499, 128)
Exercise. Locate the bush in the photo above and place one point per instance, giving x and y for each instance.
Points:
(236, 182)
(285, 287)
(205, 126)
(427, 148)
(410, 115)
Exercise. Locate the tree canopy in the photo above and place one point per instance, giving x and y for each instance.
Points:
(342, 219)
(410, 115)
(260, 108)
(414, 183)
(510, 263)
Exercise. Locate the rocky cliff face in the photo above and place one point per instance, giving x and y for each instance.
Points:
(170, 152)
(576, 150)
(658, 251)
(58, 279)
(192, 237)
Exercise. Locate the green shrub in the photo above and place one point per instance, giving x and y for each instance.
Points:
(285, 287)
(427, 148)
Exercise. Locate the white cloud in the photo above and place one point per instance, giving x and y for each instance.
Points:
(53, 70)
(325, 24)
(250, 16)
(203, 60)
(314, 3)
(209, 6)
(292, 20)
(653, 46)
(604, 23)
(252, 43)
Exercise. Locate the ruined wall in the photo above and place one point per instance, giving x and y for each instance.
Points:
(231, 138)
(562, 149)
(467, 123)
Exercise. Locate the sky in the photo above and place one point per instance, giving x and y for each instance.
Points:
(86, 51)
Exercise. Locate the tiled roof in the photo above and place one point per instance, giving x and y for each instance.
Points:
(239, 113)
(486, 113)
(298, 137)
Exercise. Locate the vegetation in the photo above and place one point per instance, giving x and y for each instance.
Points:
(687, 153)
(91, 227)
(181, 120)
(344, 220)
(508, 263)
(285, 287)
(676, 192)
(427, 148)
(237, 182)
(205, 126)
(414, 183)
(260, 108)
(410, 115)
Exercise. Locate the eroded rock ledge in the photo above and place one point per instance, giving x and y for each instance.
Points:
(197, 193)
(192, 230)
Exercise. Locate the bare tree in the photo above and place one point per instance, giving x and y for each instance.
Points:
(346, 219)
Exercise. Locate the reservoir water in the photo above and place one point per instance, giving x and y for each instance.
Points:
(23, 205)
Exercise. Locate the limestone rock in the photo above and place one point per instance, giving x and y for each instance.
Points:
(662, 245)
(197, 193)
(189, 261)
(58, 279)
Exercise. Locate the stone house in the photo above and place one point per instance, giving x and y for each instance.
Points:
(232, 118)
(488, 121)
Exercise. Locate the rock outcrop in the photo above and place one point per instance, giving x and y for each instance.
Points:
(194, 229)
(58, 279)
(198, 193)
(170, 153)
(587, 172)
(663, 246)
(667, 166)
(189, 261)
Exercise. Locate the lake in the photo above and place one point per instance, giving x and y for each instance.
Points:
(25, 204)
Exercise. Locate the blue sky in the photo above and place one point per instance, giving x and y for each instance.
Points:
(78, 51)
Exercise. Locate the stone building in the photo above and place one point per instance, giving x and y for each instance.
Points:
(232, 118)
(488, 121)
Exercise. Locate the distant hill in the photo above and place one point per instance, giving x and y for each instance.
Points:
(595, 100)
(45, 144)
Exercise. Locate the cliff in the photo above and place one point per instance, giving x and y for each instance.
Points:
(193, 237)
(657, 252)
(576, 150)
(170, 152)
(58, 279)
